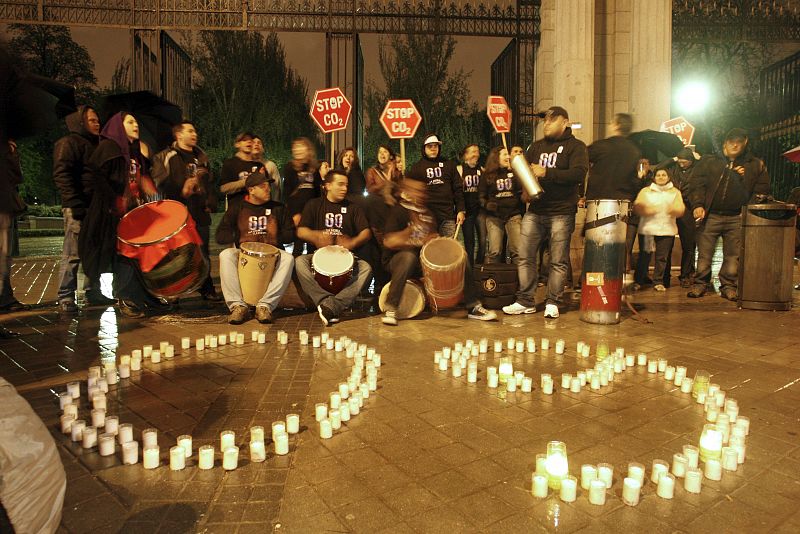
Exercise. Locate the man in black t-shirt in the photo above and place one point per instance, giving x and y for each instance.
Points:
(235, 170)
(333, 220)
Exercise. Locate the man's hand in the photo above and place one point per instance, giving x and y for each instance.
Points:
(324, 168)
(740, 170)
(345, 241)
(190, 187)
(538, 170)
(699, 214)
(461, 216)
(323, 239)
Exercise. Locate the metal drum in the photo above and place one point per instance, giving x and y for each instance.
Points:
(333, 267)
(603, 261)
(411, 303)
(162, 238)
(256, 266)
(443, 262)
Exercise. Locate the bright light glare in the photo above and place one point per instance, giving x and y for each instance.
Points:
(693, 96)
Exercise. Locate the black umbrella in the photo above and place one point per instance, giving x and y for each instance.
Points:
(37, 104)
(155, 115)
(657, 146)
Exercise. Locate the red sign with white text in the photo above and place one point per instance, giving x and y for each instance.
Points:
(680, 127)
(400, 119)
(499, 113)
(330, 109)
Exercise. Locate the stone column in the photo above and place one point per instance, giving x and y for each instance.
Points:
(573, 63)
(651, 63)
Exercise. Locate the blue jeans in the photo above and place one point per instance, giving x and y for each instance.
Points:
(475, 224)
(535, 229)
(68, 271)
(345, 298)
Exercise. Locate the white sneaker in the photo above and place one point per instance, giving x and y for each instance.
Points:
(390, 318)
(517, 309)
(551, 311)
(482, 314)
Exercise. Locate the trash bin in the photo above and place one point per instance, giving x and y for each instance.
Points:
(766, 257)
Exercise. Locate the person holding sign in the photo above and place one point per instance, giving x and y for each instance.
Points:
(500, 192)
(336, 227)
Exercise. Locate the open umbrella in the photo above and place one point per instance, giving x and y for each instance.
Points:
(37, 104)
(657, 146)
(156, 116)
(793, 155)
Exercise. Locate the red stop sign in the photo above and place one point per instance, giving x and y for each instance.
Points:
(680, 127)
(330, 109)
(499, 113)
(400, 119)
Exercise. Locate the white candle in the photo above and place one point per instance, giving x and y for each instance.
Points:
(151, 457)
(597, 492)
(586, 351)
(213, 342)
(177, 458)
(99, 402)
(94, 370)
(98, 418)
(519, 375)
(575, 385)
(679, 465)
(257, 433)
(662, 365)
(64, 399)
(539, 486)
(355, 405)
(364, 390)
(71, 409)
(325, 429)
(443, 364)
(545, 343)
(729, 459)
(258, 451)
(230, 458)
(631, 488)
(205, 456)
(125, 433)
(605, 473)
(641, 359)
(344, 412)
(472, 372)
(491, 381)
(240, 339)
(74, 389)
(262, 338)
(303, 337)
(498, 346)
(279, 427)
(316, 342)
(223, 339)
(130, 452)
(344, 390)
(652, 366)
(254, 335)
(335, 417)
(566, 380)
(511, 384)
(531, 345)
(666, 486)
(169, 352)
(630, 360)
(124, 370)
(519, 346)
(713, 469)
(588, 473)
(227, 439)
(320, 411)
(186, 343)
(659, 469)
(743, 422)
(147, 350)
(527, 384)
(136, 363)
(595, 385)
(185, 443)
(155, 356)
(693, 481)
(669, 373)
(456, 370)
(692, 454)
(547, 387)
(149, 438)
(569, 489)
(66, 423)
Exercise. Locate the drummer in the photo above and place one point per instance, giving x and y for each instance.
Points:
(254, 218)
(333, 220)
(409, 225)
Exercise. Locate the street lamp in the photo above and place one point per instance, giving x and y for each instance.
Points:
(693, 97)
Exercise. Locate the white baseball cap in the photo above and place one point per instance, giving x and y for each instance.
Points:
(431, 140)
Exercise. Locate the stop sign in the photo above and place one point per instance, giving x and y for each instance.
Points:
(330, 109)
(680, 127)
(400, 119)
(499, 114)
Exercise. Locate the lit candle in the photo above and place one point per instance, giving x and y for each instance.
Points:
(498, 346)
(169, 353)
(177, 458)
(679, 465)
(557, 465)
(303, 337)
(149, 437)
(541, 464)
(125, 433)
(729, 459)
(666, 486)
(575, 385)
(337, 346)
(456, 370)
(492, 380)
(325, 429)
(130, 452)
(147, 350)
(531, 345)
(566, 380)
(713, 470)
(443, 364)
(324, 336)
(605, 473)
(630, 360)
(483, 345)
(641, 359)
(669, 373)
(279, 427)
(240, 339)
(588, 473)
(94, 370)
(155, 356)
(185, 443)
(586, 351)
(737, 443)
(336, 419)
(98, 418)
(230, 458)
(205, 456)
(257, 433)
(254, 335)
(151, 457)
(659, 469)
(547, 387)
(472, 372)
(66, 423)
(511, 384)
(662, 365)
(258, 452)
(743, 422)
(631, 489)
(595, 385)
(355, 405)
(186, 343)
(74, 389)
(223, 339)
(344, 412)
(71, 409)
(710, 443)
(329, 344)
(124, 370)
(539, 486)
(64, 399)
(693, 481)
(320, 411)
(136, 363)
(99, 402)
(692, 454)
(579, 347)
(437, 355)
(652, 366)
(569, 489)
(519, 346)
(344, 390)
(545, 343)
(527, 384)
(636, 471)
(597, 492)
(293, 423)
(227, 439)
(262, 339)
(560, 346)
(510, 342)
(686, 385)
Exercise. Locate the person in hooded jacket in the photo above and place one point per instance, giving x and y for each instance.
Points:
(445, 193)
(500, 193)
(560, 162)
(475, 220)
(117, 178)
(71, 156)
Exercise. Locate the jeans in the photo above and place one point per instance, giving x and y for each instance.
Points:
(475, 224)
(231, 287)
(686, 231)
(447, 228)
(662, 253)
(496, 229)
(6, 229)
(208, 283)
(534, 229)
(68, 271)
(729, 228)
(345, 298)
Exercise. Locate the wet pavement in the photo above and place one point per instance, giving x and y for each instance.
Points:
(428, 452)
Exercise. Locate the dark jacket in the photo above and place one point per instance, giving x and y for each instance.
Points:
(445, 192)
(228, 229)
(71, 156)
(500, 194)
(613, 173)
(10, 171)
(169, 173)
(566, 163)
(713, 170)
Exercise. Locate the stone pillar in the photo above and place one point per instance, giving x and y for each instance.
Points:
(651, 63)
(573, 63)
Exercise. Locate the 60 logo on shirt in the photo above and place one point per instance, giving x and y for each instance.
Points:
(333, 223)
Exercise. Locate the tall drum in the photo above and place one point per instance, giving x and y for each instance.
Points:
(443, 262)
(256, 266)
(603, 261)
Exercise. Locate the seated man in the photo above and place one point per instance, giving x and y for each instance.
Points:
(254, 218)
(409, 226)
(333, 220)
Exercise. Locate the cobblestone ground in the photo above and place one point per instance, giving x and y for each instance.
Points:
(428, 452)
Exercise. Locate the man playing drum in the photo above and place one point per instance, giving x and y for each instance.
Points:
(409, 226)
(334, 226)
(254, 218)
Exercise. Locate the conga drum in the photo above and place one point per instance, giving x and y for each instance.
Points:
(162, 238)
(411, 303)
(333, 267)
(256, 266)
(603, 261)
(443, 262)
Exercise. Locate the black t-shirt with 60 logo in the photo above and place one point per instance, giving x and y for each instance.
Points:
(342, 218)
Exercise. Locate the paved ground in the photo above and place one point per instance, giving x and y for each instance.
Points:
(429, 452)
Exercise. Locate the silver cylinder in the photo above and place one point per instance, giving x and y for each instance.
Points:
(522, 169)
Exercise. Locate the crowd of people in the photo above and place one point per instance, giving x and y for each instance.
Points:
(384, 216)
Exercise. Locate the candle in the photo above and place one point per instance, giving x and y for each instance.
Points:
(669, 373)
(519, 346)
(336, 419)
(149, 438)
(257, 433)
(223, 339)
(125, 433)
(147, 351)
(729, 459)
(586, 351)
(258, 452)
(344, 412)
(569, 489)
(94, 370)
(329, 344)
(713, 470)
(636, 471)
(254, 335)
(98, 418)
(547, 387)
(575, 385)
(679, 465)
(531, 345)
(240, 339)
(631, 488)
(498, 346)
(303, 337)
(693, 481)
(71, 409)
(666, 486)
(74, 389)
(66, 423)
(659, 469)
(279, 427)
(539, 486)
(64, 399)
(213, 342)
(743, 422)
(155, 356)
(662, 365)
(227, 439)
(579, 347)
(605, 473)
(641, 359)
(710, 443)
(205, 455)
(518, 376)
(652, 366)
(177, 458)
(483, 345)
(527, 384)
(130, 452)
(630, 360)
(136, 365)
(560, 346)
(692, 454)
(230, 458)
(186, 343)
(588, 473)
(151, 457)
(355, 405)
(456, 370)
(566, 380)
(597, 492)
(169, 353)
(556, 465)
(321, 411)
(262, 338)
(686, 385)
(510, 342)
(99, 402)
(472, 372)
(437, 355)
(492, 380)
(293, 423)
(541, 464)
(511, 384)
(325, 429)
(76, 430)
(282, 444)
(124, 370)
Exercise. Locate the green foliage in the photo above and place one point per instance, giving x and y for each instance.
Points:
(43, 210)
(40, 232)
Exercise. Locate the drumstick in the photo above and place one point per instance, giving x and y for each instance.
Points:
(458, 227)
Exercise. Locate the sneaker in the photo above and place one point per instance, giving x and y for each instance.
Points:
(326, 315)
(517, 309)
(482, 314)
(67, 306)
(659, 287)
(130, 309)
(263, 314)
(696, 292)
(239, 315)
(729, 293)
(390, 318)
(551, 311)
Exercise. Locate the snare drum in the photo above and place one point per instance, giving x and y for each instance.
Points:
(412, 302)
(443, 262)
(333, 267)
(256, 266)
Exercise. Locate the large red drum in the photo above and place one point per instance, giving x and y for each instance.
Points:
(161, 236)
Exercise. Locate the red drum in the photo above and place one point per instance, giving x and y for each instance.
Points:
(162, 238)
(443, 262)
(333, 267)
